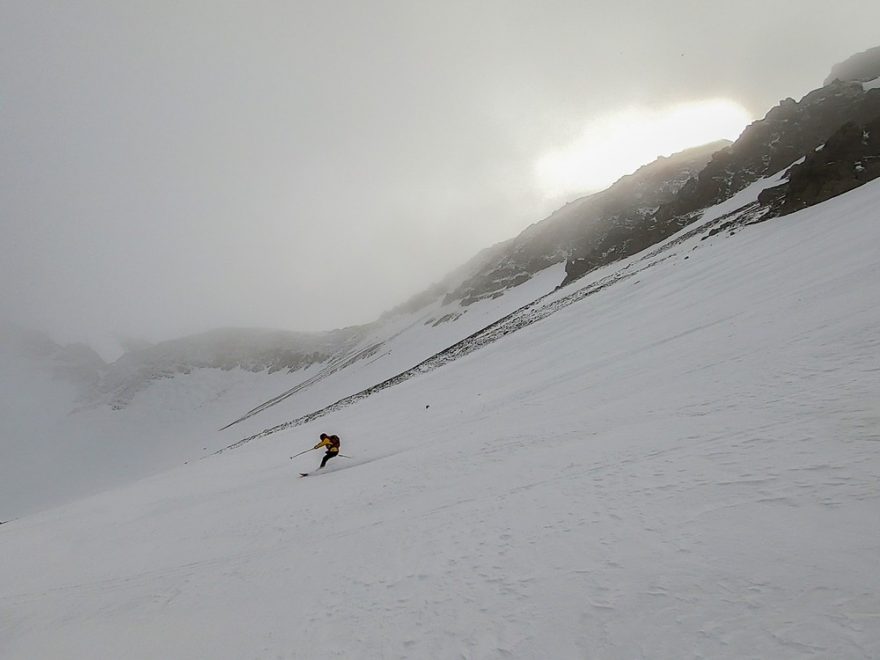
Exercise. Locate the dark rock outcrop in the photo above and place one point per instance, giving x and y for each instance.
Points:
(789, 131)
(661, 198)
(626, 223)
(593, 220)
(849, 159)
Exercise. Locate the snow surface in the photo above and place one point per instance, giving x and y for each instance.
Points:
(528, 303)
(57, 448)
(54, 449)
(681, 465)
(405, 341)
(871, 84)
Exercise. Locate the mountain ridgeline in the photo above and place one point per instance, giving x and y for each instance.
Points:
(661, 198)
(607, 223)
(827, 143)
(160, 405)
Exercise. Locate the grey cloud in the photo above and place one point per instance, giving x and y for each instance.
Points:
(171, 167)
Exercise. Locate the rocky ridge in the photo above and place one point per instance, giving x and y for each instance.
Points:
(834, 130)
(849, 159)
(594, 219)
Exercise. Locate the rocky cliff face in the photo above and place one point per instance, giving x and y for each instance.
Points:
(789, 131)
(661, 198)
(626, 221)
(835, 130)
(595, 220)
(849, 159)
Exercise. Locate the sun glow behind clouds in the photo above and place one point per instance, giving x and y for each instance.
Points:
(617, 144)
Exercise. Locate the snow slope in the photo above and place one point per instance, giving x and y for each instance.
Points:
(398, 343)
(683, 464)
(60, 441)
(55, 449)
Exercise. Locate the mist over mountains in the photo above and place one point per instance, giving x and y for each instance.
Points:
(636, 212)
(825, 144)
(646, 426)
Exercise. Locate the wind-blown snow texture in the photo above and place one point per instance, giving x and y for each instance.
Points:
(683, 464)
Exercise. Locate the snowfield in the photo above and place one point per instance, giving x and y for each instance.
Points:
(684, 464)
(60, 441)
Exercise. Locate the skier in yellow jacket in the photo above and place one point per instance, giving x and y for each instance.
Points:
(331, 442)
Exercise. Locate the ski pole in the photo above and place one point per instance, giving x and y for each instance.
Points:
(344, 456)
(301, 453)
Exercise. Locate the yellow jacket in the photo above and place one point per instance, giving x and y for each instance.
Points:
(331, 443)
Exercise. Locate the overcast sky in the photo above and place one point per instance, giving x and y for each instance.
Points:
(170, 167)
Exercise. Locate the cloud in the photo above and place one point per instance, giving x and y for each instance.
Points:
(171, 167)
(617, 143)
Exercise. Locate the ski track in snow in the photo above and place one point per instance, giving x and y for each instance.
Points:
(682, 465)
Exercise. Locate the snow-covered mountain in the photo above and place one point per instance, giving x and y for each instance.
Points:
(645, 427)
(680, 459)
(162, 405)
(152, 393)
(608, 218)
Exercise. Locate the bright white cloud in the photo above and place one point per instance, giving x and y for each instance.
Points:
(616, 144)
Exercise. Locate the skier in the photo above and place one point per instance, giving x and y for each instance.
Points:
(331, 442)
